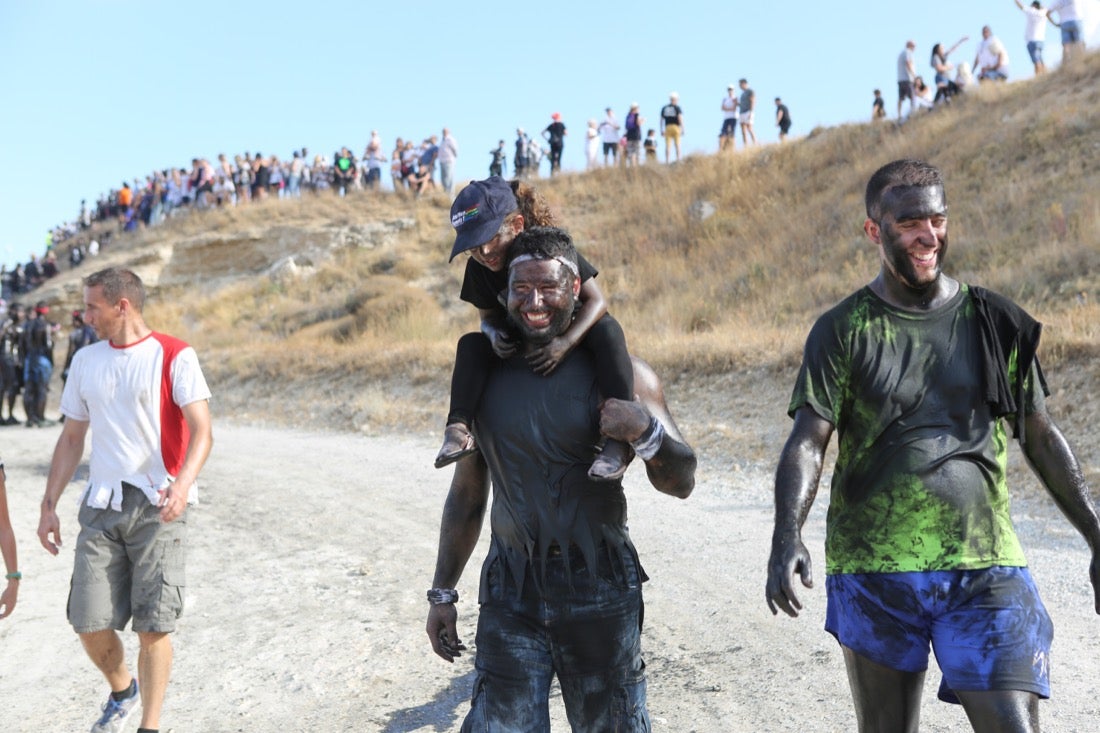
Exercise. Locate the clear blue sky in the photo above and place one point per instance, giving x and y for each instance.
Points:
(101, 91)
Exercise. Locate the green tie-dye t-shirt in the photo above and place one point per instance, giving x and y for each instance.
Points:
(919, 481)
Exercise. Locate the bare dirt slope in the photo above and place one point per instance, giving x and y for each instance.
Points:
(310, 554)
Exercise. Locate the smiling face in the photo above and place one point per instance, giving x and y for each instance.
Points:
(492, 254)
(541, 297)
(912, 236)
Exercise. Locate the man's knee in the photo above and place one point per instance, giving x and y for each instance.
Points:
(151, 639)
(1001, 711)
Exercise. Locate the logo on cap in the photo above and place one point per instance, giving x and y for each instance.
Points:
(462, 217)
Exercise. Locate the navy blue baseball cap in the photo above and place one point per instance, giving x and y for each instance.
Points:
(478, 211)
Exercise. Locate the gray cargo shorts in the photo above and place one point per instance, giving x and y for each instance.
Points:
(128, 565)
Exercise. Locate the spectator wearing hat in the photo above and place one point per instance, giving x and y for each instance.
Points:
(555, 134)
(731, 109)
(672, 124)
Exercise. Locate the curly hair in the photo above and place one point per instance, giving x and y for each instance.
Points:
(536, 211)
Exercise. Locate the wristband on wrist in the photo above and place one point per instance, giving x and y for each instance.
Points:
(439, 596)
(14, 576)
(649, 442)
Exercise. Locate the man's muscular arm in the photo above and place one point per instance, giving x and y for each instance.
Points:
(672, 469)
(1053, 461)
(463, 514)
(796, 481)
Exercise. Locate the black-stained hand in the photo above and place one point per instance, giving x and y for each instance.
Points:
(545, 359)
(503, 345)
(443, 632)
(789, 558)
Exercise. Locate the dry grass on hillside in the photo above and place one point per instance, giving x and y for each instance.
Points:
(371, 330)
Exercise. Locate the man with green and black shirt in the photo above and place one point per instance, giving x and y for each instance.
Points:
(922, 376)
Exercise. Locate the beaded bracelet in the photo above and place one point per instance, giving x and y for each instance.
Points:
(14, 576)
(438, 596)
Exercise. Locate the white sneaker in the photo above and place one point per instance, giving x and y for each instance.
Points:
(116, 713)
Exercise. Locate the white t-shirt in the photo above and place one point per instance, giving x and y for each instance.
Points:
(1067, 10)
(988, 51)
(609, 130)
(730, 108)
(1036, 28)
(132, 397)
(905, 65)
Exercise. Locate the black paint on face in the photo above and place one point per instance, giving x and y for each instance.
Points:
(540, 300)
(913, 231)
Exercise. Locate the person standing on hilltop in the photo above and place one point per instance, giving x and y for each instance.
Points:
(609, 136)
(519, 160)
(633, 124)
(498, 161)
(1035, 32)
(561, 588)
(782, 119)
(907, 72)
(672, 125)
(1069, 20)
(921, 376)
(731, 110)
(146, 401)
(555, 134)
(448, 154)
(747, 112)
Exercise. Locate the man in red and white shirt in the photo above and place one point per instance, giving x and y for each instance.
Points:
(146, 401)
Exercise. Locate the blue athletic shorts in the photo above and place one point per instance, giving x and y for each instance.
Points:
(988, 628)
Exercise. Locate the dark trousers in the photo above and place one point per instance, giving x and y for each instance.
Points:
(578, 626)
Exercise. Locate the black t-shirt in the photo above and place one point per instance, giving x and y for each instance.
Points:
(481, 286)
(670, 113)
(557, 133)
